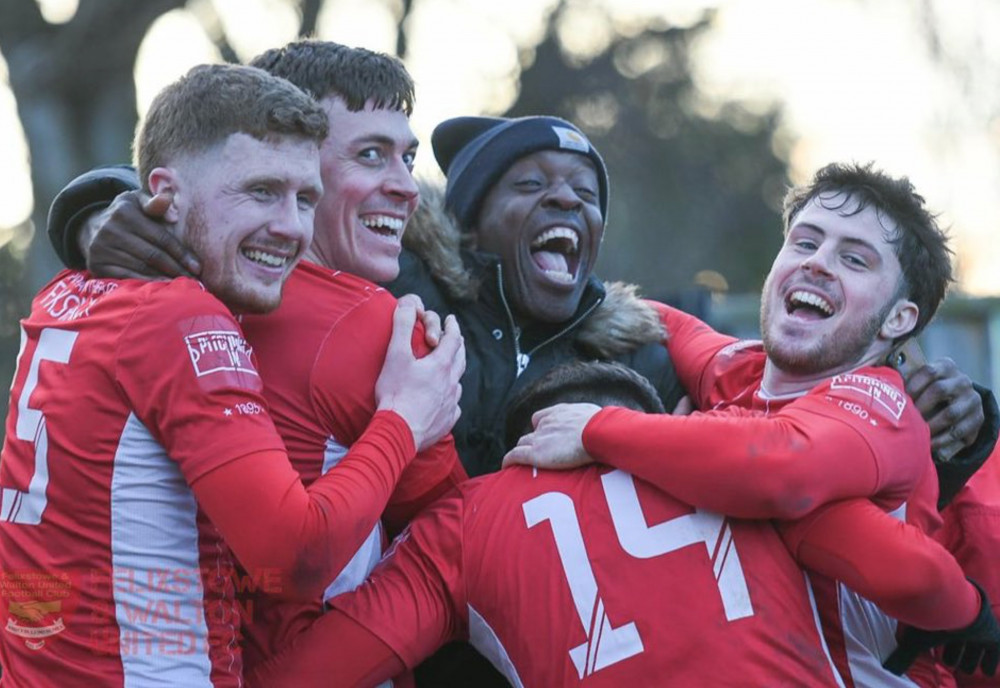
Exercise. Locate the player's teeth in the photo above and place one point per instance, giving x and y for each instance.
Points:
(268, 259)
(811, 299)
(559, 276)
(556, 233)
(383, 222)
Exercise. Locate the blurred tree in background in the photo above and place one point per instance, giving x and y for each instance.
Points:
(692, 192)
(684, 175)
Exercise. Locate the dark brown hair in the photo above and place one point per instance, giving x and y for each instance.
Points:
(356, 75)
(594, 382)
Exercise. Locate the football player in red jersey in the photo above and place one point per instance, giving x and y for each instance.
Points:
(810, 415)
(322, 350)
(593, 577)
(139, 455)
(557, 578)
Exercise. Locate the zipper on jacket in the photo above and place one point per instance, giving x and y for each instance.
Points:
(523, 359)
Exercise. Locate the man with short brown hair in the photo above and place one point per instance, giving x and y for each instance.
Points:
(140, 461)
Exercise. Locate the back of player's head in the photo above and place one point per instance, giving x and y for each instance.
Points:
(919, 242)
(211, 102)
(594, 382)
(356, 75)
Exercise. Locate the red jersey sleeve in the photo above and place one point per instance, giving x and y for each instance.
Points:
(692, 345)
(840, 440)
(432, 473)
(893, 564)
(200, 396)
(189, 375)
(335, 645)
(274, 525)
(343, 385)
(415, 599)
(972, 533)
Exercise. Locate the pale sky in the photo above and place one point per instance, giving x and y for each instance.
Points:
(855, 79)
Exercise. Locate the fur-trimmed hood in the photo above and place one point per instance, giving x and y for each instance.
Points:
(621, 323)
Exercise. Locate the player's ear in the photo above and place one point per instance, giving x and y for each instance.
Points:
(901, 320)
(166, 180)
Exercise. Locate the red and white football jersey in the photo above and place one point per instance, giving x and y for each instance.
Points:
(590, 577)
(320, 353)
(126, 392)
(854, 435)
(972, 533)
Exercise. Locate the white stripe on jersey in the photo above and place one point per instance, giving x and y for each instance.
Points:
(157, 583)
(370, 551)
(819, 629)
(869, 635)
(485, 640)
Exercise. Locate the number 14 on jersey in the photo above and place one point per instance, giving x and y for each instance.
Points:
(607, 644)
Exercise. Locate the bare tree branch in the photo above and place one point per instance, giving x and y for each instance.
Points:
(401, 44)
(310, 15)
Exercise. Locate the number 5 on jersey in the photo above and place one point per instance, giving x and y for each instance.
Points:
(27, 506)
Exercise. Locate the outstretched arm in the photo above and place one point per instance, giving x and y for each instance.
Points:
(243, 482)
(907, 574)
(297, 538)
(820, 448)
(962, 416)
(272, 522)
(895, 565)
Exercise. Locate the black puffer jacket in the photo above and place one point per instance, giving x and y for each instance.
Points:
(612, 323)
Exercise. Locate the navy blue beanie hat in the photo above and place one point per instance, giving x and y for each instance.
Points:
(474, 152)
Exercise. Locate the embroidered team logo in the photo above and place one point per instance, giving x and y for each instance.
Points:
(219, 354)
(881, 393)
(571, 140)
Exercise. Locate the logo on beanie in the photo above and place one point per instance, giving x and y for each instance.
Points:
(572, 140)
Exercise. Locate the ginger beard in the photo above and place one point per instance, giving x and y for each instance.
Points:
(220, 274)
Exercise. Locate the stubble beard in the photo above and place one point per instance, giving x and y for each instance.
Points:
(834, 351)
(218, 271)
